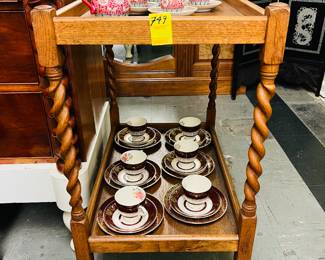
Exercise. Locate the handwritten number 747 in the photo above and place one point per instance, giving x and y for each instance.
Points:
(159, 20)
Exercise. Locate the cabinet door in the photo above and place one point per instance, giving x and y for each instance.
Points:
(23, 126)
(17, 63)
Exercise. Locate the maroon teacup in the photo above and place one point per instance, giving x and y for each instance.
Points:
(190, 125)
(134, 160)
(186, 150)
(129, 198)
(196, 186)
(137, 126)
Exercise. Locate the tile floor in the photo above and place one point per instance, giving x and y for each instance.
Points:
(291, 222)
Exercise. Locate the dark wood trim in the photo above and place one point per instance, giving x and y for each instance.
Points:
(184, 57)
(9, 88)
(29, 160)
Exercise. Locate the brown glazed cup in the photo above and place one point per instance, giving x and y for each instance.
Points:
(186, 150)
(196, 186)
(134, 161)
(190, 125)
(137, 126)
(129, 198)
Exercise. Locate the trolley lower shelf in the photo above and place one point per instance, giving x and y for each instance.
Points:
(172, 235)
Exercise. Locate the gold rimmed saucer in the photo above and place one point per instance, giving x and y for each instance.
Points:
(155, 224)
(169, 203)
(152, 142)
(112, 178)
(207, 164)
(203, 138)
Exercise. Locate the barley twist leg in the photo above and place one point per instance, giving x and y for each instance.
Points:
(211, 110)
(111, 84)
(262, 113)
(67, 156)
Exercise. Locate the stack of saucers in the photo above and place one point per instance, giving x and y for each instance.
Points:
(137, 135)
(130, 211)
(133, 168)
(189, 129)
(187, 160)
(195, 201)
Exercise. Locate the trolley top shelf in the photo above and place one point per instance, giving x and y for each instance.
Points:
(232, 22)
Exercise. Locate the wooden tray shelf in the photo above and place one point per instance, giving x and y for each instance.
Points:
(236, 22)
(172, 235)
(232, 22)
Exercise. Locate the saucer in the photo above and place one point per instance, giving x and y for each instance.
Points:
(115, 175)
(171, 206)
(197, 166)
(155, 140)
(126, 223)
(125, 137)
(149, 200)
(191, 208)
(187, 10)
(207, 166)
(207, 8)
(138, 9)
(203, 138)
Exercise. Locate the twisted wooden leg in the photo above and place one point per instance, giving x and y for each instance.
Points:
(262, 113)
(272, 56)
(211, 110)
(111, 85)
(51, 58)
(67, 161)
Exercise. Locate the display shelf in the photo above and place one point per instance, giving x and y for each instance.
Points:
(236, 22)
(232, 22)
(172, 235)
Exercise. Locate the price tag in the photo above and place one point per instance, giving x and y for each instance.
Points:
(161, 29)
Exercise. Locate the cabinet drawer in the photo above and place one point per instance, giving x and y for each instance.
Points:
(23, 126)
(17, 63)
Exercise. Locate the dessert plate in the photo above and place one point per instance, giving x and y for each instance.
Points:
(207, 166)
(155, 224)
(191, 208)
(197, 166)
(203, 138)
(115, 175)
(187, 10)
(207, 8)
(153, 132)
(170, 206)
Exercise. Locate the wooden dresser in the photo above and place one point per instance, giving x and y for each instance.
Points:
(25, 138)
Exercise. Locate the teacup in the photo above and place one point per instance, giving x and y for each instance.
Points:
(196, 186)
(137, 127)
(134, 162)
(186, 150)
(129, 198)
(190, 125)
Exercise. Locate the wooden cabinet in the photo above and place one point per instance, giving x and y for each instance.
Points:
(25, 128)
(17, 63)
(21, 137)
